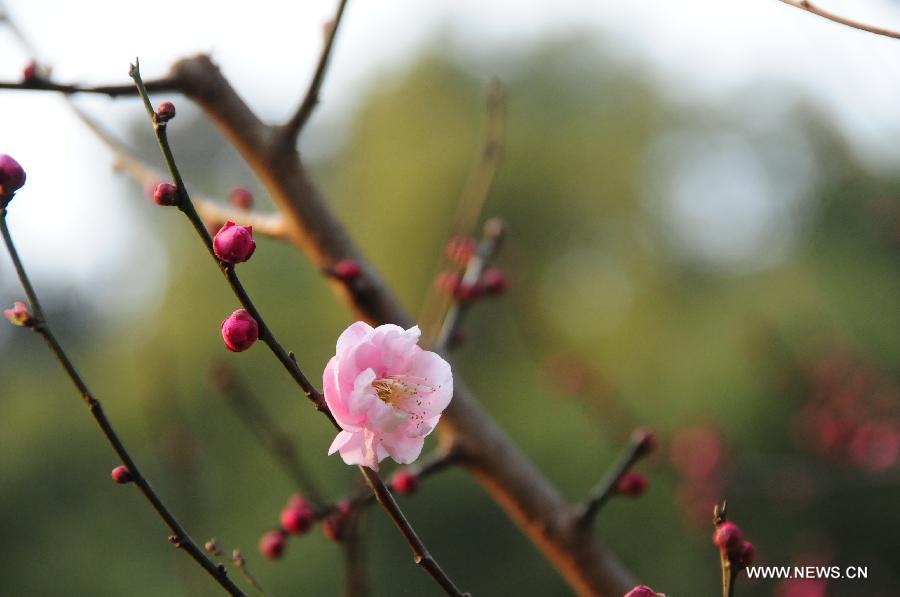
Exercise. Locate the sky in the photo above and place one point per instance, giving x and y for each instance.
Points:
(73, 226)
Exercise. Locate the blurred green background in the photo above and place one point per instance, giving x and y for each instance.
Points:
(726, 276)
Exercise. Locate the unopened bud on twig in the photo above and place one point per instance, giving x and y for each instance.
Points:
(165, 112)
(241, 198)
(239, 331)
(271, 545)
(165, 194)
(405, 482)
(12, 178)
(234, 243)
(122, 475)
(297, 517)
(346, 270)
(632, 484)
(334, 526)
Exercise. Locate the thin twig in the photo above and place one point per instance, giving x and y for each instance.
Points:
(179, 536)
(494, 232)
(237, 558)
(293, 127)
(39, 84)
(811, 8)
(472, 199)
(383, 494)
(262, 426)
(638, 447)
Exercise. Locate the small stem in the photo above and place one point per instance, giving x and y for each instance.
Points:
(606, 488)
(295, 125)
(179, 537)
(811, 8)
(165, 84)
(421, 555)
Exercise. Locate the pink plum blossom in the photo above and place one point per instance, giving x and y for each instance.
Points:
(385, 392)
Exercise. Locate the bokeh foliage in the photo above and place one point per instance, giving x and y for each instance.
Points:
(628, 306)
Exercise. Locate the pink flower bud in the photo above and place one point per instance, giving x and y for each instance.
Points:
(271, 545)
(165, 112)
(122, 475)
(19, 314)
(447, 282)
(346, 270)
(233, 243)
(460, 249)
(728, 537)
(239, 331)
(405, 482)
(165, 194)
(641, 591)
(744, 555)
(298, 516)
(645, 440)
(30, 73)
(467, 292)
(493, 281)
(632, 484)
(241, 198)
(12, 177)
(335, 524)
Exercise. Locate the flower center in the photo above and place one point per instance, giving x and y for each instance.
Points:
(398, 390)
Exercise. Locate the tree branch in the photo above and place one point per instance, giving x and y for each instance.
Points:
(486, 451)
(639, 445)
(39, 324)
(383, 495)
(811, 8)
(293, 126)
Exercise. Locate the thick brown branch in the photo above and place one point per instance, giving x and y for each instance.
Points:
(511, 479)
(810, 7)
(293, 127)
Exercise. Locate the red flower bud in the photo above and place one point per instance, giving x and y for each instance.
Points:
(233, 243)
(31, 72)
(271, 545)
(447, 282)
(728, 537)
(122, 475)
(12, 177)
(239, 331)
(19, 314)
(466, 292)
(460, 249)
(632, 484)
(493, 281)
(744, 555)
(641, 591)
(346, 270)
(405, 482)
(241, 198)
(335, 524)
(166, 194)
(298, 516)
(165, 112)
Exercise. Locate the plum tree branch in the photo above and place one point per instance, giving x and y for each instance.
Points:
(486, 451)
(39, 324)
(421, 554)
(812, 8)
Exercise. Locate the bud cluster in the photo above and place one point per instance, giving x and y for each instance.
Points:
(729, 538)
(297, 518)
